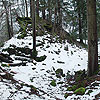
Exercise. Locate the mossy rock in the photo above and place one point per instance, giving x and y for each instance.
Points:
(24, 50)
(80, 91)
(69, 89)
(47, 46)
(90, 91)
(11, 51)
(63, 75)
(73, 88)
(40, 59)
(53, 83)
(59, 71)
(58, 76)
(66, 95)
(60, 82)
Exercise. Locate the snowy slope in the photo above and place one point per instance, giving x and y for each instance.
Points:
(72, 60)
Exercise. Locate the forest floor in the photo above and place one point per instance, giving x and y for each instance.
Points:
(47, 76)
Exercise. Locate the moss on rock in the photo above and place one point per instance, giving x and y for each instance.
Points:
(53, 83)
(73, 88)
(80, 91)
(40, 59)
(59, 71)
(66, 95)
(69, 89)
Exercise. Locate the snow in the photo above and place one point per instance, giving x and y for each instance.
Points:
(73, 60)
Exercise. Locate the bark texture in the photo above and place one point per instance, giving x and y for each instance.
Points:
(33, 25)
(92, 37)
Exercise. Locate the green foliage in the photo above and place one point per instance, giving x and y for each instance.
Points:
(53, 83)
(21, 36)
(5, 65)
(33, 87)
(69, 89)
(73, 88)
(80, 91)
(23, 22)
(48, 27)
(78, 78)
(66, 95)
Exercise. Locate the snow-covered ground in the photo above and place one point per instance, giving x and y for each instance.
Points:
(73, 59)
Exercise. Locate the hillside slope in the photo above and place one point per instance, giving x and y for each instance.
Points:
(40, 74)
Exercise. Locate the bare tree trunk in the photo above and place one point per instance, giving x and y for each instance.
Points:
(59, 17)
(92, 37)
(37, 7)
(31, 8)
(7, 18)
(26, 8)
(33, 25)
(11, 23)
(43, 11)
(79, 20)
(49, 9)
(55, 21)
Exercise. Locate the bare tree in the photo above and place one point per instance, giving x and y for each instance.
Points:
(26, 8)
(92, 37)
(7, 17)
(33, 24)
(37, 7)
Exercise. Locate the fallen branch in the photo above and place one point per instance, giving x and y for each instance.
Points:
(23, 59)
(18, 64)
